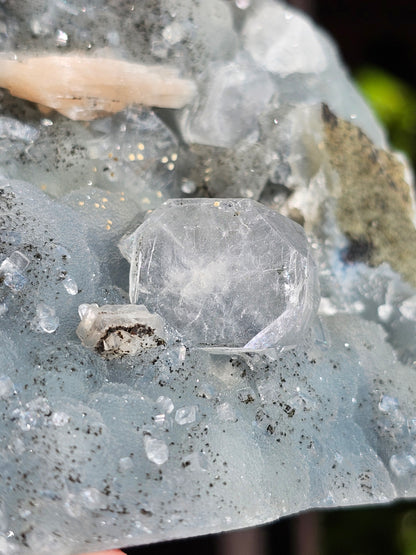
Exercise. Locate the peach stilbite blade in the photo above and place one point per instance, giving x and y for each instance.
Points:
(84, 88)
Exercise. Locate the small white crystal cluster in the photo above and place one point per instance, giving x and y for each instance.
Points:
(116, 330)
(187, 416)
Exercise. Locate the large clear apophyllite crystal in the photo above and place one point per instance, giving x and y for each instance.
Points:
(226, 273)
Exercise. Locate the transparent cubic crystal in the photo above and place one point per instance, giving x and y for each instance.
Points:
(225, 273)
(165, 404)
(46, 319)
(156, 450)
(186, 415)
(11, 271)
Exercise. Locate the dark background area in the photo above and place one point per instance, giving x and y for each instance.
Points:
(371, 32)
(376, 530)
(368, 33)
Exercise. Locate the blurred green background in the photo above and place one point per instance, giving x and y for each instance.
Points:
(394, 102)
(371, 531)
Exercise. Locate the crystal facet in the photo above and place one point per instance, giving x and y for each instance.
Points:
(204, 265)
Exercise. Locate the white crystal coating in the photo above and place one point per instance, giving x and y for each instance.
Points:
(204, 266)
(92, 498)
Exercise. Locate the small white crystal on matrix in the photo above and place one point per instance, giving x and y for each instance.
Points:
(186, 415)
(116, 330)
(12, 271)
(226, 273)
(70, 285)
(156, 450)
(46, 319)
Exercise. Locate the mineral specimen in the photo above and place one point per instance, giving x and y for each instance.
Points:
(116, 330)
(84, 88)
(204, 265)
(142, 433)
